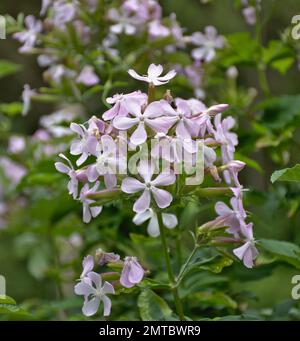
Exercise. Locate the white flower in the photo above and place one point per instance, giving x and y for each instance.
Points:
(154, 75)
(91, 288)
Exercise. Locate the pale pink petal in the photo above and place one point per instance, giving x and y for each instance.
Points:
(90, 307)
(132, 185)
(169, 220)
(222, 209)
(171, 74)
(106, 305)
(107, 288)
(133, 74)
(162, 198)
(139, 136)
(154, 70)
(61, 167)
(143, 202)
(124, 123)
(164, 179)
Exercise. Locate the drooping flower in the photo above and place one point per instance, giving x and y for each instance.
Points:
(149, 187)
(29, 36)
(106, 257)
(169, 221)
(132, 272)
(86, 144)
(247, 252)
(119, 104)
(154, 75)
(153, 117)
(208, 43)
(87, 265)
(88, 210)
(94, 293)
(88, 76)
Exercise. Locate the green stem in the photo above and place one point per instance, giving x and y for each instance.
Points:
(151, 93)
(261, 67)
(182, 271)
(171, 276)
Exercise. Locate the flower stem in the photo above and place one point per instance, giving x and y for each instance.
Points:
(151, 93)
(171, 276)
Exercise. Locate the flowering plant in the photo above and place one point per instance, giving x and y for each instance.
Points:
(125, 161)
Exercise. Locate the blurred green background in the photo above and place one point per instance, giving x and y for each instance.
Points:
(269, 210)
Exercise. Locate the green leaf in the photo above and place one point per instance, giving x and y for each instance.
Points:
(152, 307)
(219, 300)
(287, 174)
(243, 49)
(11, 109)
(279, 112)
(283, 65)
(282, 251)
(7, 300)
(8, 68)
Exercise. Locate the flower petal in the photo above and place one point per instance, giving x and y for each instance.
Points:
(169, 220)
(162, 198)
(139, 136)
(124, 123)
(143, 202)
(164, 179)
(132, 185)
(90, 307)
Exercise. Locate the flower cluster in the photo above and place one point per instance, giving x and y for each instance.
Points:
(122, 156)
(91, 286)
(138, 19)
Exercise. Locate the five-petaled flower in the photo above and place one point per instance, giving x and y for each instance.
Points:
(132, 272)
(149, 187)
(91, 288)
(154, 75)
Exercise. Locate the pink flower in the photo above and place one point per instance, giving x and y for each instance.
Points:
(154, 75)
(173, 149)
(149, 187)
(106, 257)
(151, 117)
(169, 221)
(124, 23)
(208, 43)
(108, 163)
(247, 252)
(16, 144)
(63, 12)
(250, 15)
(158, 30)
(186, 127)
(85, 145)
(89, 211)
(88, 76)
(132, 272)
(29, 37)
(91, 288)
(119, 101)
